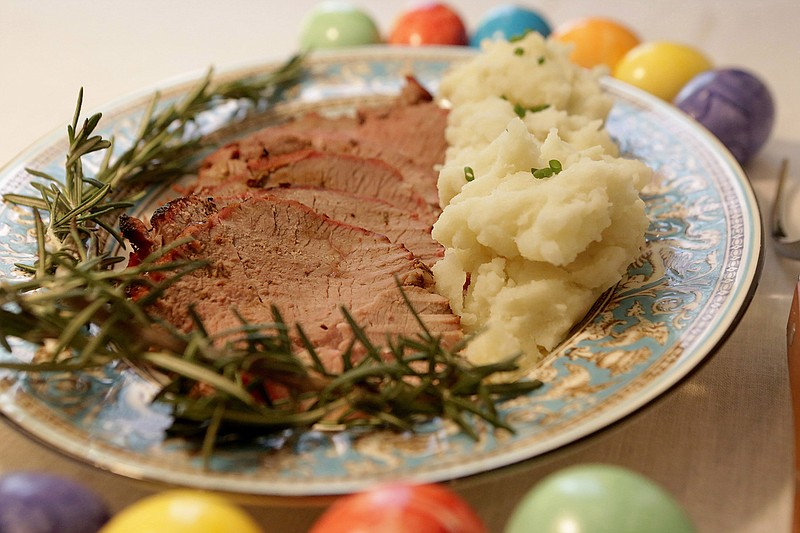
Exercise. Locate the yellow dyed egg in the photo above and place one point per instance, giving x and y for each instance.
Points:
(596, 41)
(661, 68)
(182, 511)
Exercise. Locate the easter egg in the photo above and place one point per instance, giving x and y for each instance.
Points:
(508, 22)
(596, 498)
(182, 511)
(429, 23)
(735, 105)
(661, 68)
(34, 502)
(334, 24)
(400, 508)
(596, 41)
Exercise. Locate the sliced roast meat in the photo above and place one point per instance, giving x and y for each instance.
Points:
(342, 172)
(415, 133)
(265, 251)
(408, 135)
(312, 216)
(298, 134)
(397, 224)
(280, 140)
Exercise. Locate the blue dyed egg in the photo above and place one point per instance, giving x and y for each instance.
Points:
(507, 22)
(734, 105)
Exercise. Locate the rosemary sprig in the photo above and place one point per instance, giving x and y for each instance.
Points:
(412, 379)
(75, 307)
(167, 139)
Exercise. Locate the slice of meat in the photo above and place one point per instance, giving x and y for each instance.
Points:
(399, 225)
(420, 173)
(342, 172)
(408, 135)
(232, 159)
(266, 251)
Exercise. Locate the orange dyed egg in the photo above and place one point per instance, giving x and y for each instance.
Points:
(429, 23)
(596, 41)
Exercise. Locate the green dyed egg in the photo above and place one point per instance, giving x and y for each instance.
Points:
(596, 498)
(335, 24)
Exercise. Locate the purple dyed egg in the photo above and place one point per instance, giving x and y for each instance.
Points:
(734, 105)
(33, 502)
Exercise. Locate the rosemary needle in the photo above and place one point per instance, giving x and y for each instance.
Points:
(75, 308)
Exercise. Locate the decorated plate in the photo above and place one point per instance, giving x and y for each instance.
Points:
(676, 304)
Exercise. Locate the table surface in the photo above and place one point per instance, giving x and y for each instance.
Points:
(720, 441)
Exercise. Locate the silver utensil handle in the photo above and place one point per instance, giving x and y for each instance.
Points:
(783, 245)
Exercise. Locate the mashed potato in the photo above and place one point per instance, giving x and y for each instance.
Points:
(540, 213)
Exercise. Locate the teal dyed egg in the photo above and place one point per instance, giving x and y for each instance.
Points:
(507, 22)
